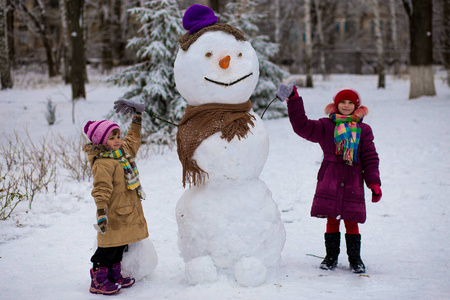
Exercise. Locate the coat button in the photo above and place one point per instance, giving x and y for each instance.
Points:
(342, 184)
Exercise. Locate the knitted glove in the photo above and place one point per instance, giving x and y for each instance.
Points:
(102, 220)
(127, 106)
(284, 90)
(376, 192)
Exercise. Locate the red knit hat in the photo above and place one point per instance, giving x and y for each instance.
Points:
(347, 94)
(98, 131)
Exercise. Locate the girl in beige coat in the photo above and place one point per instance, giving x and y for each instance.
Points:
(117, 193)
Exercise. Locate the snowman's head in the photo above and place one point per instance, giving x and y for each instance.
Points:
(215, 64)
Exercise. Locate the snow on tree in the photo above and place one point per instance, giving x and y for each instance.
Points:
(244, 16)
(151, 79)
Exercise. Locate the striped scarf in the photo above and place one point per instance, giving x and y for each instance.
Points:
(346, 136)
(129, 168)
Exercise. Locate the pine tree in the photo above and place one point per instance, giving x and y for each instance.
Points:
(151, 79)
(244, 16)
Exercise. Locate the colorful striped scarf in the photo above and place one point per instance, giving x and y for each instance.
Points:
(129, 168)
(346, 136)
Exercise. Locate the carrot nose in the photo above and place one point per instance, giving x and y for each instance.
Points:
(225, 62)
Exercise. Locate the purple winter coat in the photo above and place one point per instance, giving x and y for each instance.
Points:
(340, 188)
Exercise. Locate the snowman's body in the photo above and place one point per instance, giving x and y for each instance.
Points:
(231, 218)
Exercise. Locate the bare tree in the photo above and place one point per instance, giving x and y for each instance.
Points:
(120, 25)
(106, 17)
(65, 42)
(78, 62)
(323, 68)
(5, 68)
(308, 43)
(445, 37)
(10, 32)
(421, 48)
(215, 5)
(38, 17)
(394, 39)
(328, 20)
(379, 46)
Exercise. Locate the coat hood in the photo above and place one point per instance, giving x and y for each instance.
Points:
(93, 150)
(360, 112)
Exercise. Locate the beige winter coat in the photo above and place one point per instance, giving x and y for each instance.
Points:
(126, 221)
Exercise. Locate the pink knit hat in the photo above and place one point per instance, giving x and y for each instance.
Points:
(98, 131)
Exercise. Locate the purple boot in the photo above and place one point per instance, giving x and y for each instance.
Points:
(100, 283)
(116, 276)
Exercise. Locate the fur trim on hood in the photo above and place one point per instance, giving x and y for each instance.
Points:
(92, 149)
(360, 112)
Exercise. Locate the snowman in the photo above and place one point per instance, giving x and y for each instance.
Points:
(227, 220)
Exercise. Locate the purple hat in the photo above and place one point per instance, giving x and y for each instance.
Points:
(98, 131)
(198, 16)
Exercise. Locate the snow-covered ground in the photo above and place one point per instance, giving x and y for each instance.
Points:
(45, 251)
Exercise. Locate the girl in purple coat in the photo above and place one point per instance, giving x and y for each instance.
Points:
(349, 160)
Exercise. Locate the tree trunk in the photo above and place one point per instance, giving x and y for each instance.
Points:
(41, 24)
(43, 29)
(120, 24)
(10, 29)
(105, 15)
(277, 25)
(379, 46)
(5, 68)
(78, 66)
(215, 6)
(65, 41)
(421, 52)
(308, 43)
(393, 17)
(323, 68)
(445, 38)
(85, 31)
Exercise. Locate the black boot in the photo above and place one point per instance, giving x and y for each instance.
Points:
(354, 253)
(332, 244)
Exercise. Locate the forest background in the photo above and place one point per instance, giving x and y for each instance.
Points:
(301, 37)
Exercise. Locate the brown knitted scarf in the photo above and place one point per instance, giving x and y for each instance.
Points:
(199, 123)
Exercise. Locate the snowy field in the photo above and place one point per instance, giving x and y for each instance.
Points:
(45, 251)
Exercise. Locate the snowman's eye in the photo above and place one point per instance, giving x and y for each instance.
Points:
(208, 54)
(240, 55)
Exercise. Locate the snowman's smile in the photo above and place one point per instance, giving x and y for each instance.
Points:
(228, 83)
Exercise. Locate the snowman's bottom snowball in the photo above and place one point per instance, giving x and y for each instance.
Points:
(200, 270)
(140, 260)
(249, 271)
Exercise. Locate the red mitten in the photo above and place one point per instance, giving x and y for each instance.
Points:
(376, 192)
(294, 93)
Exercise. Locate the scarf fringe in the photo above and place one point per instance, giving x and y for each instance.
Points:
(235, 128)
(346, 152)
(346, 136)
(192, 173)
